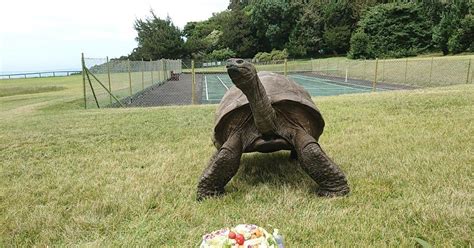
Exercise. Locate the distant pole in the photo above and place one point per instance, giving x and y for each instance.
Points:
(374, 86)
(431, 68)
(286, 67)
(84, 79)
(163, 66)
(129, 78)
(312, 65)
(151, 67)
(193, 83)
(365, 68)
(406, 70)
(468, 70)
(143, 74)
(347, 71)
(383, 70)
(108, 77)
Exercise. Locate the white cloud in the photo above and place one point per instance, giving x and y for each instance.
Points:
(51, 34)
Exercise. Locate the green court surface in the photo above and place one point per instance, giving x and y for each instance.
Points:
(214, 86)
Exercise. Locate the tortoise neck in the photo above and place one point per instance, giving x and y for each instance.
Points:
(262, 110)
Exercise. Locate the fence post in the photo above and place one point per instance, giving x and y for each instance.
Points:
(129, 79)
(108, 75)
(151, 65)
(468, 70)
(374, 86)
(286, 68)
(143, 74)
(193, 87)
(365, 69)
(406, 70)
(84, 79)
(431, 69)
(163, 66)
(383, 70)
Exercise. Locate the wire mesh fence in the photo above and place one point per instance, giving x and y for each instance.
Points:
(111, 83)
(334, 76)
(147, 83)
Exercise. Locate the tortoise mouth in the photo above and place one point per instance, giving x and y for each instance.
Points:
(233, 71)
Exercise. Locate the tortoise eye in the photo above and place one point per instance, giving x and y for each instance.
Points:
(239, 61)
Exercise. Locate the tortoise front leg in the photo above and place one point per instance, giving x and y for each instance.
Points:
(331, 180)
(222, 167)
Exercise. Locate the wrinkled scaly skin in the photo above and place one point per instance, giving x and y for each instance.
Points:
(284, 120)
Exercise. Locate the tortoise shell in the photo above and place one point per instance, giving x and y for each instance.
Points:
(279, 89)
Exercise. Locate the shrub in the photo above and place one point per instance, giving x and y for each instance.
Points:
(274, 55)
(360, 46)
(221, 54)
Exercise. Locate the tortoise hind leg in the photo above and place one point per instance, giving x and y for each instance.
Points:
(222, 167)
(331, 180)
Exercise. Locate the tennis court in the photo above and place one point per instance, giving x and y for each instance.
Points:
(214, 86)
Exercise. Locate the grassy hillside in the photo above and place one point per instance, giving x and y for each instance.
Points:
(128, 176)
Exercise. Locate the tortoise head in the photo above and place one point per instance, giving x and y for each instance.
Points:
(240, 71)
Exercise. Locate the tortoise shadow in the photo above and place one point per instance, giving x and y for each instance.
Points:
(272, 168)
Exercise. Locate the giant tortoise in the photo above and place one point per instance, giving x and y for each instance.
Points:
(267, 112)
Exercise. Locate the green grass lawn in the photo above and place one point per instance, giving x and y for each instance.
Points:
(127, 177)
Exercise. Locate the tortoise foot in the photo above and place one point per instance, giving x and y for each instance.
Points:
(333, 192)
(203, 194)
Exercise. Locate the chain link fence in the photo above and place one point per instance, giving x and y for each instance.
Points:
(112, 83)
(153, 83)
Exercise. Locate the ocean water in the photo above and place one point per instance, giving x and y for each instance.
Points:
(38, 73)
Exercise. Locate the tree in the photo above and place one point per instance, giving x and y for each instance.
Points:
(339, 22)
(395, 30)
(157, 39)
(306, 38)
(204, 37)
(452, 32)
(273, 21)
(239, 35)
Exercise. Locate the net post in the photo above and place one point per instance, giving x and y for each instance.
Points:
(468, 70)
(406, 70)
(129, 78)
(83, 65)
(431, 69)
(374, 85)
(143, 74)
(108, 77)
(286, 67)
(193, 83)
(312, 65)
(347, 72)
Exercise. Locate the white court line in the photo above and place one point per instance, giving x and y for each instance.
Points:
(320, 81)
(356, 85)
(207, 92)
(222, 82)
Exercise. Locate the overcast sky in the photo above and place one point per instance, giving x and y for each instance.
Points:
(51, 34)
